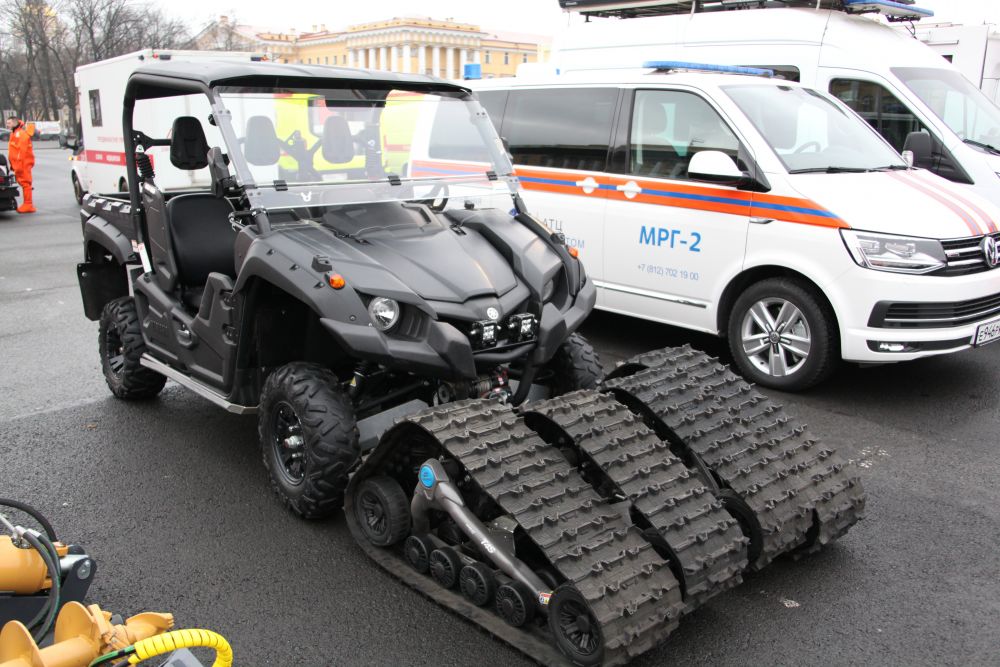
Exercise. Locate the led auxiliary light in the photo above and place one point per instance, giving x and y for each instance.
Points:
(384, 313)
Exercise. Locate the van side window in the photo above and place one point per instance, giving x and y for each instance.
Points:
(564, 128)
(669, 127)
(883, 111)
(493, 101)
(95, 107)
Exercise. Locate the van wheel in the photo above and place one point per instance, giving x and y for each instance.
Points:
(783, 336)
(78, 190)
(308, 438)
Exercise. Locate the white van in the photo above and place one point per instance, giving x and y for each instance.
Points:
(98, 163)
(891, 79)
(756, 209)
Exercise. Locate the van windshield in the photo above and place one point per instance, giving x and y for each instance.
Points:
(341, 146)
(811, 132)
(958, 103)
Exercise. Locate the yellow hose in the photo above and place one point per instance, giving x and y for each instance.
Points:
(171, 641)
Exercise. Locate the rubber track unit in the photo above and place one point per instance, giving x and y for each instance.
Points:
(802, 493)
(703, 539)
(629, 587)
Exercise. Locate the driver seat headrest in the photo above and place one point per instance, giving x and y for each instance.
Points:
(188, 146)
(261, 145)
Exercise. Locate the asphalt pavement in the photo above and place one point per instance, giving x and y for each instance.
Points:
(171, 498)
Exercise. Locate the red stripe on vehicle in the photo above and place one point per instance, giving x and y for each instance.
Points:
(955, 208)
(956, 194)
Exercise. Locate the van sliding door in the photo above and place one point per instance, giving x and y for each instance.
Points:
(559, 138)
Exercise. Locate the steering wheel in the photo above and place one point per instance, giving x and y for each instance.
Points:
(803, 147)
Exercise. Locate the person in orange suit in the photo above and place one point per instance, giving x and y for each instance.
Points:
(22, 159)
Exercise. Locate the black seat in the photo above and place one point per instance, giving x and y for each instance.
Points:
(203, 241)
(188, 146)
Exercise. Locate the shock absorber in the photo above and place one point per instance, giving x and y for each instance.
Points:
(144, 164)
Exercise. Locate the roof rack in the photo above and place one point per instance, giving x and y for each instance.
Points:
(678, 65)
(893, 10)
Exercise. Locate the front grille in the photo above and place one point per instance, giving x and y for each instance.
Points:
(964, 256)
(915, 315)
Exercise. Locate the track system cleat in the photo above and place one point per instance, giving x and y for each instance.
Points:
(788, 490)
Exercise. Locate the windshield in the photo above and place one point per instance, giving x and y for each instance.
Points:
(957, 102)
(294, 148)
(811, 132)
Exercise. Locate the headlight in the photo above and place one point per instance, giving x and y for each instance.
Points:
(384, 313)
(887, 252)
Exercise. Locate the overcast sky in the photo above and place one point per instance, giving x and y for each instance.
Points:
(541, 17)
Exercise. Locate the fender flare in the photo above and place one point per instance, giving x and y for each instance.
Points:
(103, 233)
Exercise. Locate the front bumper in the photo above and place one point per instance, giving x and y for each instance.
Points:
(446, 353)
(860, 298)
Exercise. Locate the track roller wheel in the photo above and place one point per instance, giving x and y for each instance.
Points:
(478, 584)
(515, 604)
(418, 550)
(445, 566)
(574, 627)
(383, 510)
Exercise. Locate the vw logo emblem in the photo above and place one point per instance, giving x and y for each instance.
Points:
(492, 313)
(991, 251)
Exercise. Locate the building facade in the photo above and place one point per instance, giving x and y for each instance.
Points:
(408, 45)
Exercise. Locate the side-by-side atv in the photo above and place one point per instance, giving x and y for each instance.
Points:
(353, 264)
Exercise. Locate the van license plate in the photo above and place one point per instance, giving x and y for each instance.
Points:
(987, 332)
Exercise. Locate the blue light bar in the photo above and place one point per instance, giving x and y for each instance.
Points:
(705, 67)
(891, 9)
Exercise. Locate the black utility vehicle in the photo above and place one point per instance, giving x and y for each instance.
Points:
(8, 186)
(353, 263)
(371, 258)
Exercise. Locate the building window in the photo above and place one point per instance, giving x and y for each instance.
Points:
(326, 60)
(524, 58)
(309, 61)
(486, 57)
(506, 58)
(335, 60)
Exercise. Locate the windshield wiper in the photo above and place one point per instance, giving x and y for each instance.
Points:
(984, 146)
(830, 170)
(891, 167)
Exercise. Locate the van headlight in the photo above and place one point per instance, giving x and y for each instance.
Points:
(888, 252)
(384, 313)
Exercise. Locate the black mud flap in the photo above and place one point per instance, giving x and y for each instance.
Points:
(99, 284)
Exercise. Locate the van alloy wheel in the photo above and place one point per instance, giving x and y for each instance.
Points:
(776, 337)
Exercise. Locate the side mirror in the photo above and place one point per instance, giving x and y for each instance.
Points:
(715, 167)
(919, 144)
(218, 169)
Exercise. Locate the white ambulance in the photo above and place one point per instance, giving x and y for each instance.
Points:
(98, 162)
(915, 98)
(756, 209)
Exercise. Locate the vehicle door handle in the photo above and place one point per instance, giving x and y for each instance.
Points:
(588, 185)
(631, 189)
(761, 221)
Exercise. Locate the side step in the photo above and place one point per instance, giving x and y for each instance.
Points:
(202, 390)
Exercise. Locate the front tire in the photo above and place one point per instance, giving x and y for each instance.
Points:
(574, 366)
(308, 437)
(121, 347)
(783, 336)
(78, 191)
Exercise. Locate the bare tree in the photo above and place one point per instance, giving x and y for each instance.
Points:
(42, 44)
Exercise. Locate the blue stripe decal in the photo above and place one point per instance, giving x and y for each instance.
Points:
(670, 194)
